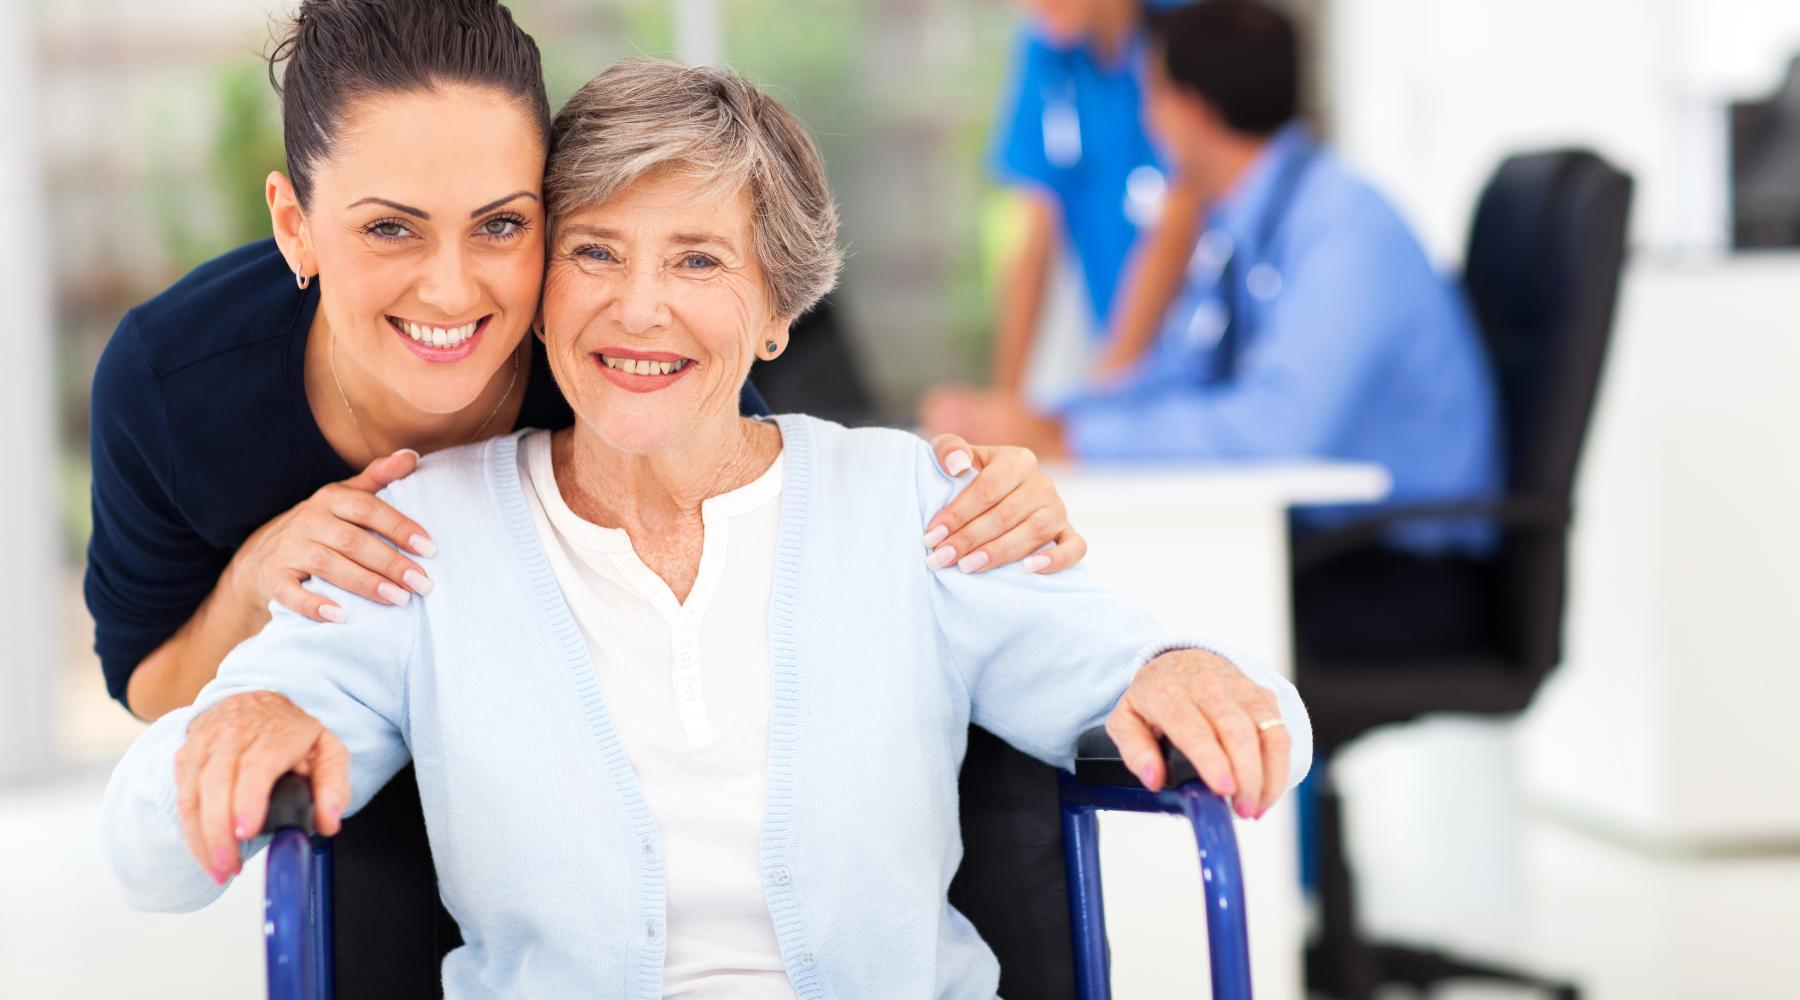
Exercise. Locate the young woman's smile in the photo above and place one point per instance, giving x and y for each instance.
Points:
(441, 343)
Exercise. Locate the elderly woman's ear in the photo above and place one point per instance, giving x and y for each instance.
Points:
(775, 340)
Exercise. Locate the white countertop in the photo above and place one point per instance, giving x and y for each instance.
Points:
(1124, 488)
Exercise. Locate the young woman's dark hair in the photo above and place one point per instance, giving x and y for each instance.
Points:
(1241, 55)
(341, 51)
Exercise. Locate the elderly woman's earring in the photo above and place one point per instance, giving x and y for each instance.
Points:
(302, 280)
(773, 349)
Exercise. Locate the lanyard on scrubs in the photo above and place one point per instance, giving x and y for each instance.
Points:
(1261, 280)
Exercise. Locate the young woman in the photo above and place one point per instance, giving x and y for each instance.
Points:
(386, 318)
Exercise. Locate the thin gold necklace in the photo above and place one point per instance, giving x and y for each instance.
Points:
(357, 423)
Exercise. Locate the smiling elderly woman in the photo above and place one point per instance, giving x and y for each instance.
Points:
(686, 706)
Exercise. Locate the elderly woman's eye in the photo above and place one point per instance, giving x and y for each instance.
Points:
(698, 262)
(592, 253)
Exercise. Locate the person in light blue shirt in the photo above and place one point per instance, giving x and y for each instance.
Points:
(1311, 325)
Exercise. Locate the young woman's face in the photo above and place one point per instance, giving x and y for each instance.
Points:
(426, 228)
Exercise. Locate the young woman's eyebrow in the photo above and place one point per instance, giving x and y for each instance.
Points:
(496, 203)
(396, 206)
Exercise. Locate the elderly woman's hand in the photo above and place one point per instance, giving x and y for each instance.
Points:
(224, 772)
(1009, 512)
(1215, 715)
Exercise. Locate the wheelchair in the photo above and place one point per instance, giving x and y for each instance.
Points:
(298, 892)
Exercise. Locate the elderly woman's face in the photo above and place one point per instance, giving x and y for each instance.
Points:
(654, 304)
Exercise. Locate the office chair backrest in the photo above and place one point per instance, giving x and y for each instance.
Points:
(1545, 253)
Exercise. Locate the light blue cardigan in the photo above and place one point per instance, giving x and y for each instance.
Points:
(546, 851)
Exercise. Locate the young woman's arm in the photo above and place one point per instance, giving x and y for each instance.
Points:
(332, 535)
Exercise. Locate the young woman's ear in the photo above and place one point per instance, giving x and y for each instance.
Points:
(289, 225)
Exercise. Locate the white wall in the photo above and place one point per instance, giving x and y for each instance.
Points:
(28, 574)
(1427, 95)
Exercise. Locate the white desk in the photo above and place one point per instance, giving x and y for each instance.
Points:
(1207, 550)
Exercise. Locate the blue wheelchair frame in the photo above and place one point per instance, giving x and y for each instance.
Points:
(297, 898)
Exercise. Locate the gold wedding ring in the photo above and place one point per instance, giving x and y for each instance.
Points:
(1268, 724)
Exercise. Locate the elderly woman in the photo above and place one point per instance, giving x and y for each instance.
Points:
(686, 716)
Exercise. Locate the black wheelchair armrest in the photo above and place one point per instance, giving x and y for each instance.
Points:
(290, 805)
(1097, 762)
(1514, 512)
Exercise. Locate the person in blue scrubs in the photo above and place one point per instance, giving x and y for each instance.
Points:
(1312, 323)
(1071, 144)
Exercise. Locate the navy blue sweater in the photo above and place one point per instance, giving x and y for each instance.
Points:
(201, 434)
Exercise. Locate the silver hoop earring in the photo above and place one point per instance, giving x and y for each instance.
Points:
(302, 280)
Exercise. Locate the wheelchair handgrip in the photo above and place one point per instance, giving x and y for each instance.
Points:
(290, 805)
(1097, 762)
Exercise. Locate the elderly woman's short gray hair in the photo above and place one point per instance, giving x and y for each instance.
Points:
(644, 115)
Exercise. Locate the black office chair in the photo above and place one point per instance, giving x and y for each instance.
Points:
(1543, 268)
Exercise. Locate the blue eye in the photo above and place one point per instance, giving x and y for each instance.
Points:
(698, 261)
(593, 253)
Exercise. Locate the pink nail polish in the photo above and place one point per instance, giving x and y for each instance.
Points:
(392, 594)
(419, 582)
(241, 830)
(940, 557)
(935, 536)
(957, 462)
(972, 562)
(422, 545)
(1035, 564)
(332, 613)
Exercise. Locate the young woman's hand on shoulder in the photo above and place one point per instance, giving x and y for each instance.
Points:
(333, 535)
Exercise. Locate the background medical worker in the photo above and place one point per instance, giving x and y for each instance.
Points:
(1311, 323)
(1072, 147)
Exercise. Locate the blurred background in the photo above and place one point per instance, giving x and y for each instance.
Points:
(1638, 830)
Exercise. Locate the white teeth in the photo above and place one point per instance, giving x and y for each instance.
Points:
(437, 336)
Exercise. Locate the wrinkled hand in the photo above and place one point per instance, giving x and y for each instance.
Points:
(332, 535)
(1008, 512)
(224, 772)
(1209, 710)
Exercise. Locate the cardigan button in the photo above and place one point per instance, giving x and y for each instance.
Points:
(808, 958)
(780, 876)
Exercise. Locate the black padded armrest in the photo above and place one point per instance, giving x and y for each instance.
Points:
(1097, 762)
(1536, 513)
(290, 804)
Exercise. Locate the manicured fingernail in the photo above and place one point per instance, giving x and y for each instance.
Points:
(957, 462)
(1260, 813)
(392, 594)
(936, 535)
(217, 877)
(1227, 788)
(972, 562)
(222, 860)
(241, 831)
(408, 451)
(1244, 809)
(422, 545)
(332, 613)
(1145, 773)
(940, 557)
(419, 582)
(1035, 564)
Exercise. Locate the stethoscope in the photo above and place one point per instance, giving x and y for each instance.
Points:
(1061, 126)
(1223, 324)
